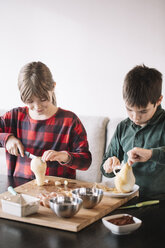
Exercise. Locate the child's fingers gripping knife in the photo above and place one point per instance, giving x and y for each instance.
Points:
(14, 146)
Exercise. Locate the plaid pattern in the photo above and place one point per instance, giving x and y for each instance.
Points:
(62, 132)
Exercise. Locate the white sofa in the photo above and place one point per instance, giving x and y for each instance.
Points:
(99, 132)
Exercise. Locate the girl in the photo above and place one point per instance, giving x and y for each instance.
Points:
(42, 129)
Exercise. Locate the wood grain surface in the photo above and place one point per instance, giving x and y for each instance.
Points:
(46, 217)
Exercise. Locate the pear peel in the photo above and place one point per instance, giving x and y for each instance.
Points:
(39, 169)
(125, 179)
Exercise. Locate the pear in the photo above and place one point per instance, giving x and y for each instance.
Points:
(125, 179)
(39, 169)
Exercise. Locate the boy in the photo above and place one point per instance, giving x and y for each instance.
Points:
(140, 139)
(42, 129)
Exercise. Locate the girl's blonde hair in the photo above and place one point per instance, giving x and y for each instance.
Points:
(35, 79)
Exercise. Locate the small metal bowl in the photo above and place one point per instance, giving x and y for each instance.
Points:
(65, 206)
(90, 196)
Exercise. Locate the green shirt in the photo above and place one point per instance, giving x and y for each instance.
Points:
(150, 175)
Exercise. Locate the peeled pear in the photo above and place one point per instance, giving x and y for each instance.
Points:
(125, 179)
(39, 169)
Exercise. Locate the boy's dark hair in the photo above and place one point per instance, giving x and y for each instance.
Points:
(141, 86)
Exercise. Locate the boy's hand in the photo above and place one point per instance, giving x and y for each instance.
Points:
(61, 157)
(110, 163)
(138, 155)
(14, 146)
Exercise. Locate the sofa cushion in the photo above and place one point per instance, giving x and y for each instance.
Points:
(96, 134)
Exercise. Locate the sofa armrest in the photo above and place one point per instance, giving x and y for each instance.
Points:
(3, 166)
(111, 127)
(2, 111)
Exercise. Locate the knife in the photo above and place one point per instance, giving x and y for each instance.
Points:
(29, 155)
(141, 204)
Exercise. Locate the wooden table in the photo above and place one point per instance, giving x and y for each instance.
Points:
(22, 235)
(46, 217)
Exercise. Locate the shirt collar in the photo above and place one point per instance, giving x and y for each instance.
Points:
(156, 117)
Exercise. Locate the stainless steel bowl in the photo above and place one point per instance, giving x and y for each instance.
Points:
(90, 196)
(65, 206)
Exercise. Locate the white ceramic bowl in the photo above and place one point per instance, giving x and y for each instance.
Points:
(124, 229)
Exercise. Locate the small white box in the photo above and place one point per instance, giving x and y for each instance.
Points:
(20, 205)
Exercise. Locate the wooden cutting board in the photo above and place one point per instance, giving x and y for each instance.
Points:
(46, 217)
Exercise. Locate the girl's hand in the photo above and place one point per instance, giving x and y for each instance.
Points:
(139, 155)
(14, 146)
(110, 163)
(61, 157)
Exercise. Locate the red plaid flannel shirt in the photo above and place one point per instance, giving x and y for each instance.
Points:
(61, 132)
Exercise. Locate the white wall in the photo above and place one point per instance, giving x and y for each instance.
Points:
(89, 45)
